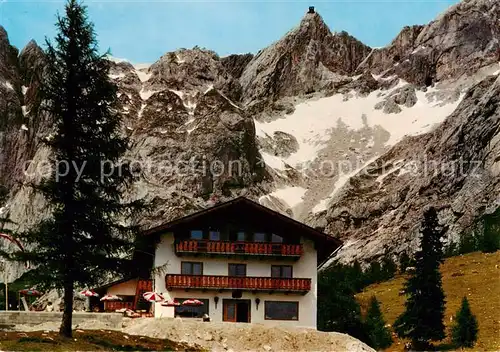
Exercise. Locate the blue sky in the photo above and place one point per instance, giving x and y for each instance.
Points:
(142, 31)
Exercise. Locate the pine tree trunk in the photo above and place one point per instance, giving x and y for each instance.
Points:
(66, 324)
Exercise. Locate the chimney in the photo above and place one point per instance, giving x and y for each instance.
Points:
(311, 9)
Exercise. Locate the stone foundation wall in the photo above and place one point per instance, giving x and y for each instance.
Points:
(113, 320)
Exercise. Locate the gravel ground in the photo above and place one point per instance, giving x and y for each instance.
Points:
(229, 337)
(243, 337)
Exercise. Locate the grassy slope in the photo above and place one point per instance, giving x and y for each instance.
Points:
(475, 275)
(88, 340)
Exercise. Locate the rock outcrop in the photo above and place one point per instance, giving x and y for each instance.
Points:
(461, 41)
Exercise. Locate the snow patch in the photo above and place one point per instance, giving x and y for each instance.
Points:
(312, 121)
(292, 196)
(120, 75)
(209, 88)
(24, 127)
(141, 66)
(179, 93)
(8, 85)
(24, 110)
(273, 161)
(146, 94)
(230, 102)
(420, 48)
(143, 76)
(116, 59)
(24, 89)
(141, 110)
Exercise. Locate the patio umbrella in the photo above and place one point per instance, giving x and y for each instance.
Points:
(30, 292)
(152, 297)
(192, 302)
(110, 298)
(170, 303)
(89, 293)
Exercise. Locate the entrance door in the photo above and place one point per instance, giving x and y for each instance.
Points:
(236, 310)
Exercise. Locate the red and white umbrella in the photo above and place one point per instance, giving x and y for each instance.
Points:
(192, 302)
(153, 297)
(110, 298)
(89, 293)
(30, 292)
(171, 303)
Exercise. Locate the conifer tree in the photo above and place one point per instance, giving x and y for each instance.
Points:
(491, 232)
(389, 268)
(85, 236)
(338, 309)
(404, 262)
(422, 320)
(465, 329)
(378, 334)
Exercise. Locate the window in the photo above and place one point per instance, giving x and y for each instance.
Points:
(191, 311)
(196, 234)
(191, 268)
(275, 310)
(282, 271)
(237, 270)
(259, 237)
(276, 238)
(214, 235)
(240, 236)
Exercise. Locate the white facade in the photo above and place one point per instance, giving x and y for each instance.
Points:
(167, 262)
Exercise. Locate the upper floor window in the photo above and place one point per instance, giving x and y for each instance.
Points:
(192, 268)
(240, 236)
(196, 234)
(276, 238)
(214, 235)
(259, 237)
(282, 271)
(237, 270)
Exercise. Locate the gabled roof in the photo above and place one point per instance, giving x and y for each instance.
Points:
(327, 243)
(113, 283)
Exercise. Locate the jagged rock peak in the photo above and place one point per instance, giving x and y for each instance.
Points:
(309, 58)
(32, 46)
(313, 26)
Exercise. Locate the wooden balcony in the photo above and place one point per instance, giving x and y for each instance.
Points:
(248, 283)
(227, 248)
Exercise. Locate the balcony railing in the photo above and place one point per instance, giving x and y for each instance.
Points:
(249, 283)
(238, 248)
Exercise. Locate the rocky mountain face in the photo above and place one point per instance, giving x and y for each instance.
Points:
(307, 59)
(456, 169)
(317, 125)
(459, 42)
